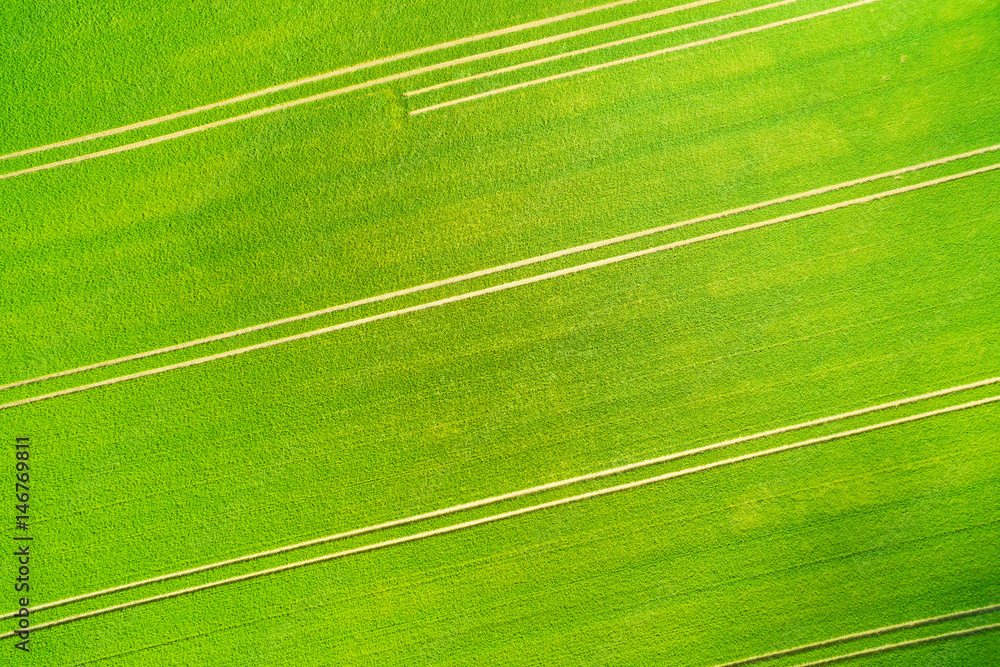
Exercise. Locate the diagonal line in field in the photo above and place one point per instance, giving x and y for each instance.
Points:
(509, 266)
(508, 515)
(371, 83)
(599, 47)
(514, 495)
(902, 645)
(908, 625)
(321, 77)
(642, 56)
(617, 24)
(503, 287)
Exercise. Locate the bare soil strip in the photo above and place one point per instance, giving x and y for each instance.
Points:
(862, 635)
(526, 492)
(504, 286)
(508, 515)
(321, 77)
(642, 56)
(598, 47)
(506, 267)
(903, 645)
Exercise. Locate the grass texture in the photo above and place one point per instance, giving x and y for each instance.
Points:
(352, 197)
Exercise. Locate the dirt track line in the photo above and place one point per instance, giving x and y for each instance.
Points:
(642, 56)
(511, 514)
(862, 635)
(598, 47)
(519, 494)
(320, 77)
(506, 286)
(371, 83)
(902, 645)
(506, 267)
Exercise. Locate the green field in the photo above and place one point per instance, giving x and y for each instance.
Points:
(353, 197)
